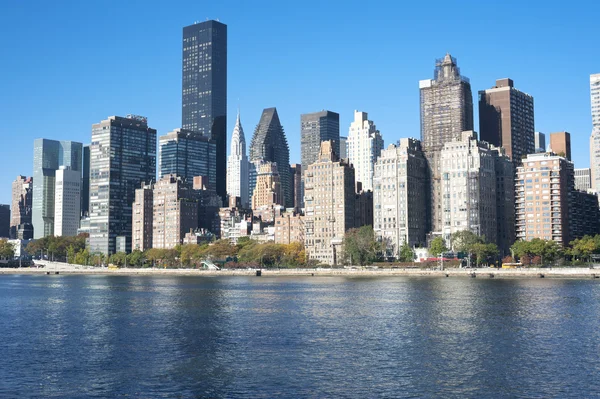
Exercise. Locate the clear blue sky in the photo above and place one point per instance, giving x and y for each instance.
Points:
(66, 65)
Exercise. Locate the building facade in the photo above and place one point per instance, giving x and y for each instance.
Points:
(446, 111)
(85, 182)
(560, 143)
(543, 188)
(364, 146)
(315, 128)
(269, 144)
(4, 221)
(583, 179)
(506, 119)
(67, 201)
(268, 190)
(400, 196)
(142, 219)
(22, 192)
(289, 228)
(343, 147)
(505, 200)
(175, 212)
(204, 89)
(329, 205)
(238, 173)
(468, 188)
(48, 157)
(297, 192)
(540, 142)
(595, 136)
(123, 157)
(187, 154)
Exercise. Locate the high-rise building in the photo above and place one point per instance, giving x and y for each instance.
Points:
(268, 190)
(85, 182)
(296, 171)
(343, 147)
(67, 201)
(400, 196)
(446, 111)
(540, 142)
(560, 144)
(238, 172)
(583, 179)
(468, 188)
(204, 89)
(187, 154)
(4, 221)
(364, 146)
(506, 119)
(329, 205)
(270, 145)
(141, 231)
(315, 128)
(595, 99)
(48, 157)
(543, 188)
(22, 190)
(175, 212)
(584, 214)
(123, 157)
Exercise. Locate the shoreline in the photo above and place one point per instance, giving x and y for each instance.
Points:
(63, 269)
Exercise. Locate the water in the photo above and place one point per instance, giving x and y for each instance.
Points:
(314, 337)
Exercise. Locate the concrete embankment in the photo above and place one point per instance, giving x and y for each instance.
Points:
(63, 268)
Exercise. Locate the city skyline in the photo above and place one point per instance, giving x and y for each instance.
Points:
(564, 106)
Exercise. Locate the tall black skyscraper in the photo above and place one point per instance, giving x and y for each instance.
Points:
(204, 88)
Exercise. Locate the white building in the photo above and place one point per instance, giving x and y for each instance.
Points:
(67, 201)
(583, 181)
(364, 146)
(595, 137)
(400, 196)
(237, 166)
(468, 188)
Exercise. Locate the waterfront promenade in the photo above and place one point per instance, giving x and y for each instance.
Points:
(563, 272)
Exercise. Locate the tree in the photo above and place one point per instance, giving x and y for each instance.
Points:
(360, 246)
(485, 253)
(508, 259)
(221, 249)
(7, 251)
(463, 241)
(136, 258)
(584, 247)
(406, 253)
(437, 246)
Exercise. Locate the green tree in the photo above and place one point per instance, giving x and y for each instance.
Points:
(437, 246)
(485, 253)
(406, 253)
(360, 246)
(463, 241)
(7, 251)
(136, 258)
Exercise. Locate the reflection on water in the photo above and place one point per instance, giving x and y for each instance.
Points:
(109, 336)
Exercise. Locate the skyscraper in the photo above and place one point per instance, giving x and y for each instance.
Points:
(187, 154)
(315, 128)
(595, 99)
(22, 190)
(364, 146)
(329, 205)
(4, 221)
(204, 89)
(296, 171)
(343, 147)
(446, 111)
(48, 157)
(560, 143)
(238, 166)
(270, 144)
(123, 156)
(142, 226)
(67, 201)
(506, 119)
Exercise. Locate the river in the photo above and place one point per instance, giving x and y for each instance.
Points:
(298, 337)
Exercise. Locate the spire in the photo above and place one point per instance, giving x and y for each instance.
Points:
(238, 141)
